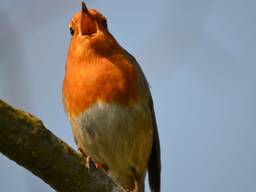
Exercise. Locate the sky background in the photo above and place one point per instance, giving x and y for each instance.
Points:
(199, 57)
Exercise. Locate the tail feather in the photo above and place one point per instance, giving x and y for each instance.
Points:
(154, 166)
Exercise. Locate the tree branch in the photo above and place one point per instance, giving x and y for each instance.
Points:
(24, 139)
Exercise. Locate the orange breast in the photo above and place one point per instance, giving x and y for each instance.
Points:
(111, 80)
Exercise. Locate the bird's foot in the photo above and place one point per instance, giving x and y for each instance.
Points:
(87, 159)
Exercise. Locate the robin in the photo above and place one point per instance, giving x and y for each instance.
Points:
(109, 105)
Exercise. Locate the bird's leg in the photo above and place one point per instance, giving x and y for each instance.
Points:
(138, 187)
(88, 162)
(138, 182)
(87, 159)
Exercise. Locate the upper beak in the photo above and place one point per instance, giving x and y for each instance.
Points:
(84, 8)
(87, 24)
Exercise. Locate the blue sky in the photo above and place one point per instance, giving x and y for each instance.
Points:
(199, 58)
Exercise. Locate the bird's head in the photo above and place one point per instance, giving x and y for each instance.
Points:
(87, 23)
(89, 31)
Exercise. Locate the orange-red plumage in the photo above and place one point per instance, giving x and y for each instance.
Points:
(100, 85)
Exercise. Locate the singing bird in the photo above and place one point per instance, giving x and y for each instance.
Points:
(109, 105)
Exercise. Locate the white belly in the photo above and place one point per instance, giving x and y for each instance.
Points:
(117, 136)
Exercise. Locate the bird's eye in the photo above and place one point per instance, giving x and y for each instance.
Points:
(105, 24)
(72, 31)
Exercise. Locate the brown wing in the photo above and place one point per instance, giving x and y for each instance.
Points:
(154, 166)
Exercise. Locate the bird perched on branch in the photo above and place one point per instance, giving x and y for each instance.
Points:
(109, 105)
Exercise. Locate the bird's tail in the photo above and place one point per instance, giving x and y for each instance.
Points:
(154, 166)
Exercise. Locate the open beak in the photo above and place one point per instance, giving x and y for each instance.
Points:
(88, 26)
